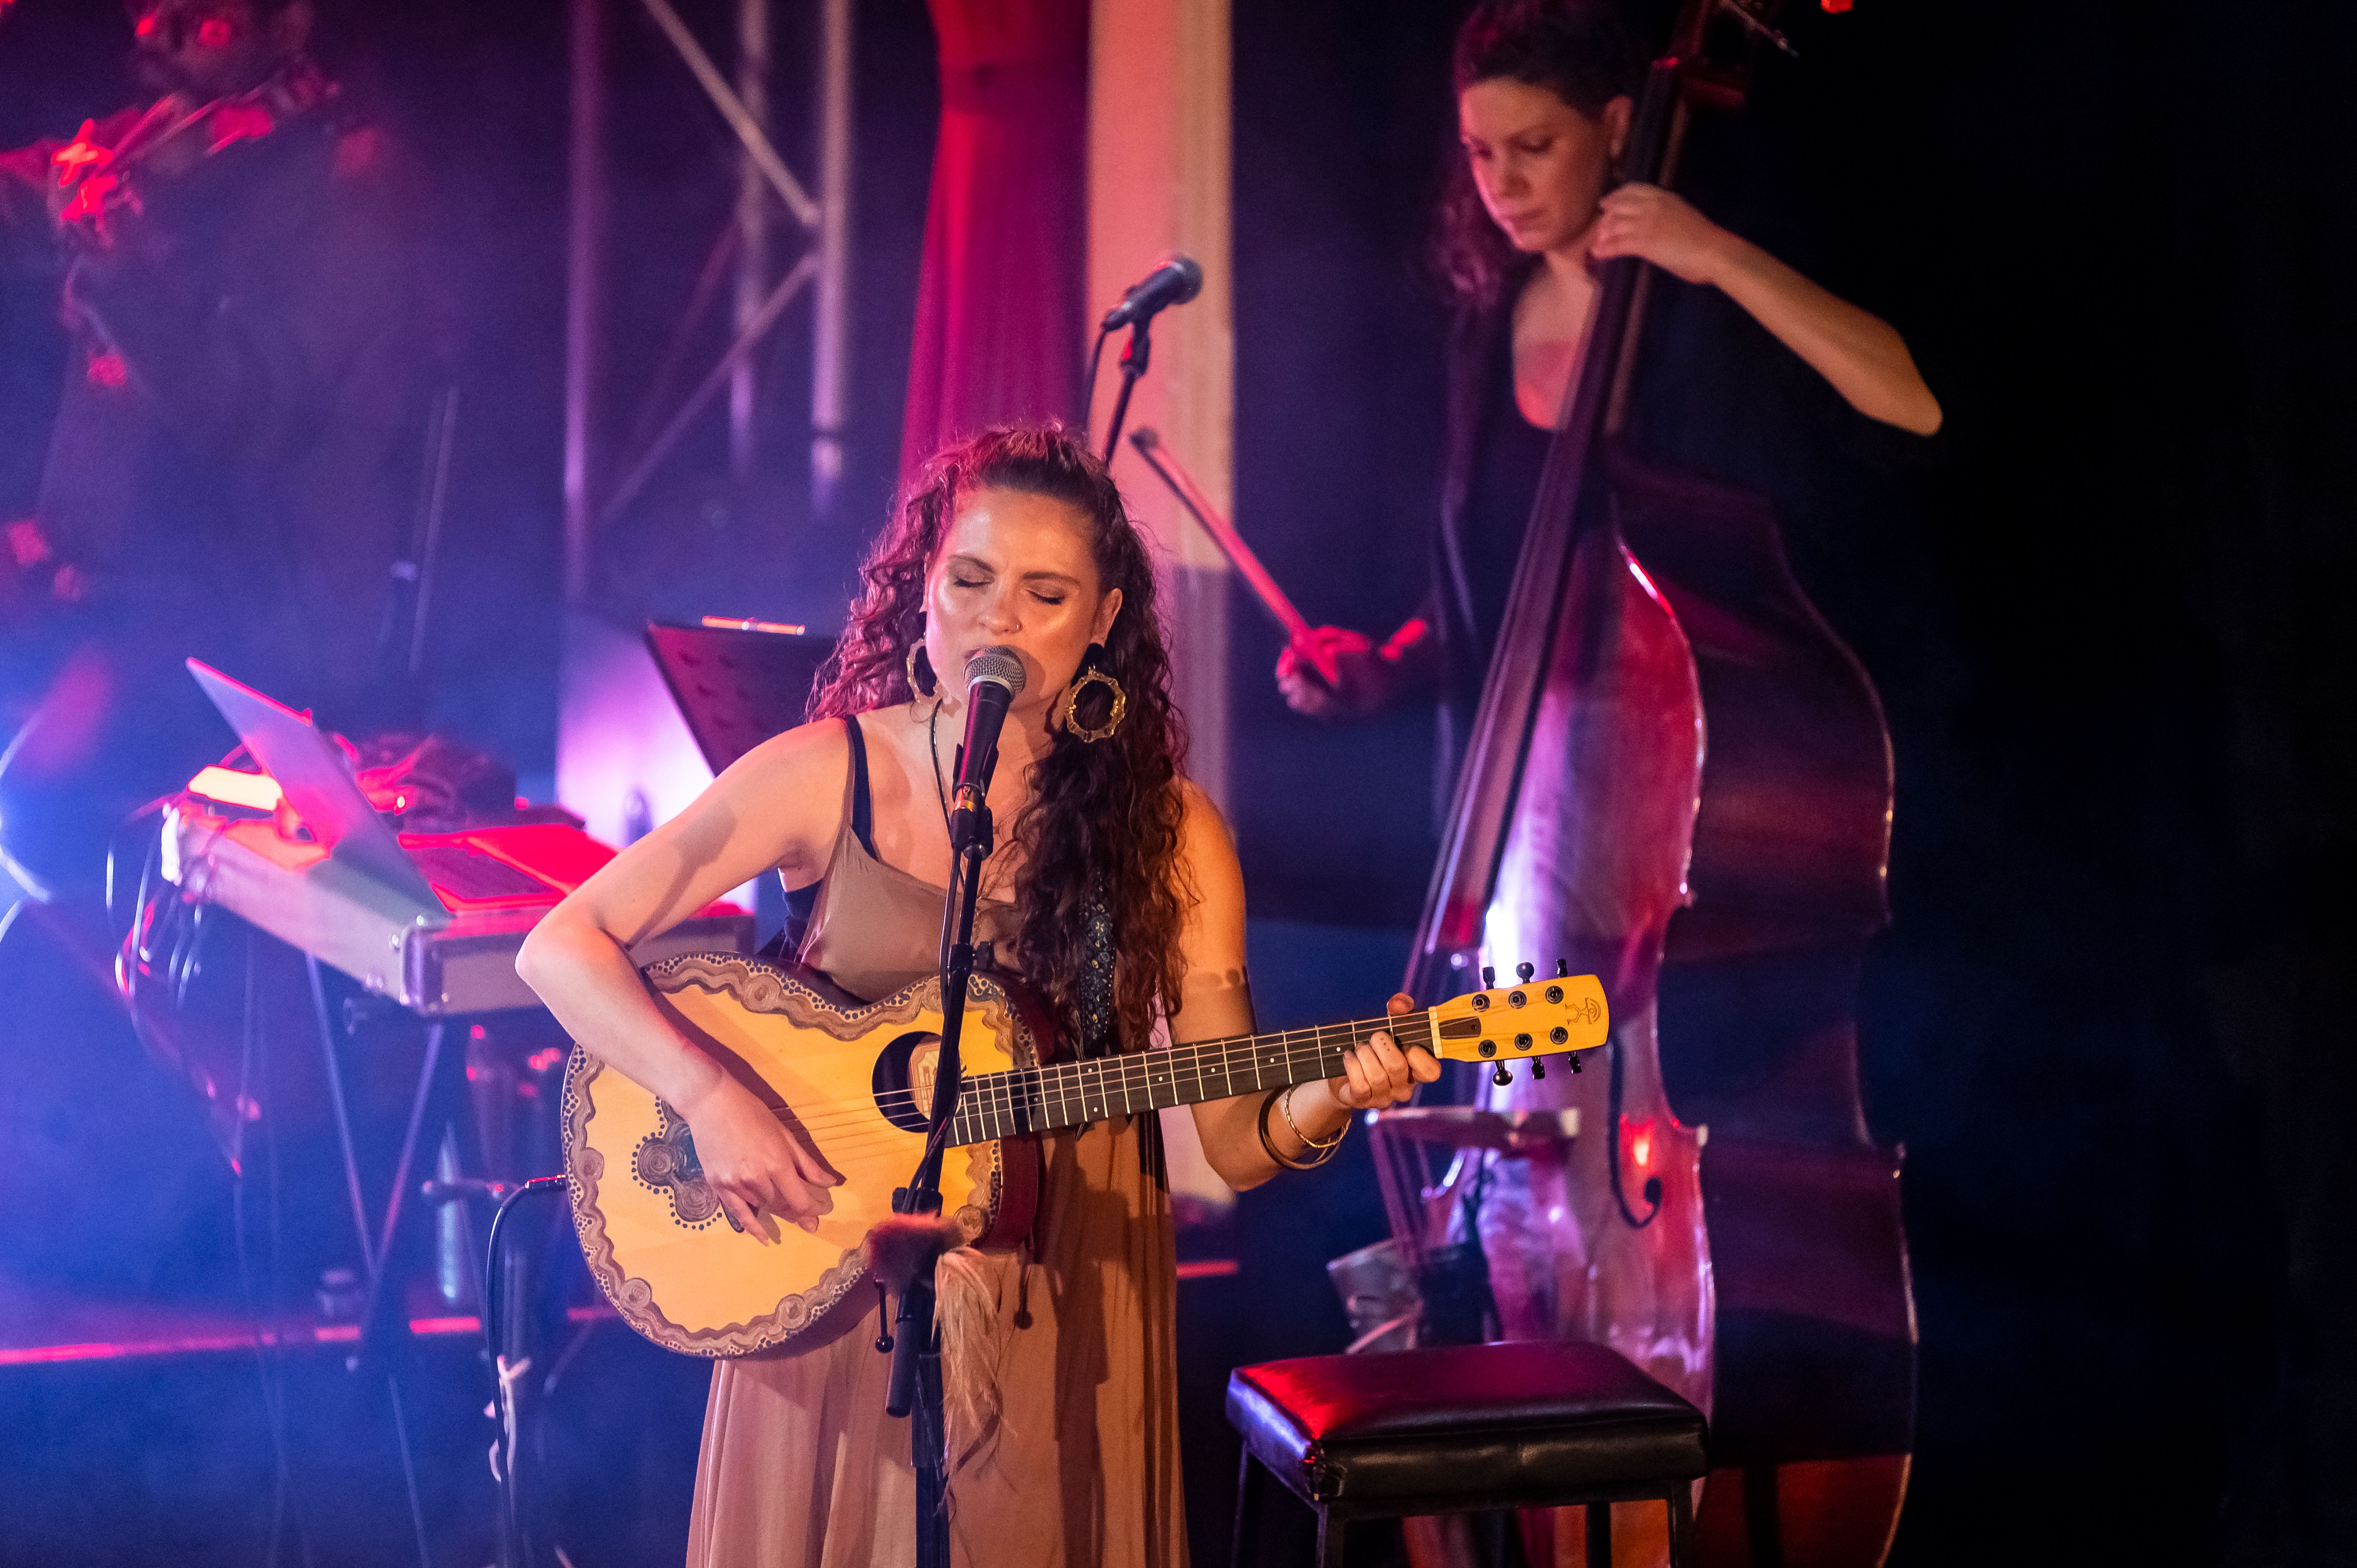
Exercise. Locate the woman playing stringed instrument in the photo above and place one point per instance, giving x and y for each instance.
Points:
(1543, 100)
(1114, 891)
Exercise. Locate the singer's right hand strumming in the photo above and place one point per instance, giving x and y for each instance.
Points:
(752, 1163)
(780, 806)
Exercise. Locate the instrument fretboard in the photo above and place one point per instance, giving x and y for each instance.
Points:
(1072, 1094)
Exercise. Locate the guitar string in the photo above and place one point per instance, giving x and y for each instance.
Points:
(1066, 1080)
(1013, 1089)
(1073, 1080)
(994, 1113)
(1048, 1095)
(997, 1106)
(979, 1120)
(973, 1119)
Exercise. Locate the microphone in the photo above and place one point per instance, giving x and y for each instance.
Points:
(1178, 280)
(993, 677)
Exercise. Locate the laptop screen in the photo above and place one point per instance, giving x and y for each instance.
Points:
(317, 781)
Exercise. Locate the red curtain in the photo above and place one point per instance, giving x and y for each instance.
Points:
(998, 302)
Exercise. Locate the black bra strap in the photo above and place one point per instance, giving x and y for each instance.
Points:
(863, 816)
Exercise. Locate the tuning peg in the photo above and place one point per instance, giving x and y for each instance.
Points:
(1501, 1077)
(1563, 969)
(1538, 1067)
(1523, 972)
(1574, 1063)
(1489, 977)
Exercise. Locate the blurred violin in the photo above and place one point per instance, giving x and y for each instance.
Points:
(96, 182)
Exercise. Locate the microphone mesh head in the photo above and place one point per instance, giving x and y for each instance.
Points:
(998, 665)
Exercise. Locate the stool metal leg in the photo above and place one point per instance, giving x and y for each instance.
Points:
(1248, 1481)
(1599, 1535)
(1681, 1502)
(1333, 1525)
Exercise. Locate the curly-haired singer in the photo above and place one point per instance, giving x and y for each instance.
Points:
(1016, 538)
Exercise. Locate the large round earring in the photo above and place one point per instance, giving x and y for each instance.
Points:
(1090, 673)
(927, 687)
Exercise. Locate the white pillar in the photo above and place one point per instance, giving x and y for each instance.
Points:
(1158, 181)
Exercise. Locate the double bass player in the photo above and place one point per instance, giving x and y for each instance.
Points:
(1660, 761)
(1543, 94)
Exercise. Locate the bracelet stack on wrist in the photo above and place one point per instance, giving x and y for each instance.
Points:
(1282, 1100)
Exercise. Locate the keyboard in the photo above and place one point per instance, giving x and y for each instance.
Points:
(465, 872)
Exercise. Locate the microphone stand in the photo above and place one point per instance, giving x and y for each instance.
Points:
(915, 1390)
(1133, 365)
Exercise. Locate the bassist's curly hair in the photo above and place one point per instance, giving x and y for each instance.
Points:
(1107, 813)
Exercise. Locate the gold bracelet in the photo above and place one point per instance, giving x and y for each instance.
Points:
(1285, 1105)
(1260, 1122)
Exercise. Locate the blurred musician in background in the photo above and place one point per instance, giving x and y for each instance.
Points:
(233, 457)
(1752, 373)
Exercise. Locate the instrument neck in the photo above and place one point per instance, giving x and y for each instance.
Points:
(1072, 1094)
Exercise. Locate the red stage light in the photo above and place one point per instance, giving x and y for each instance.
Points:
(1640, 1135)
(215, 32)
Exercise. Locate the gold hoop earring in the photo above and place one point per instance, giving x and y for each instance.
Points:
(916, 652)
(1072, 702)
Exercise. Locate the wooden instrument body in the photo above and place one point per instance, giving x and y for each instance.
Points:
(1812, 1416)
(643, 1215)
(1704, 821)
(849, 1080)
(1595, 861)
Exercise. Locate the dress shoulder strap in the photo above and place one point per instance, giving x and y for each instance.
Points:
(862, 815)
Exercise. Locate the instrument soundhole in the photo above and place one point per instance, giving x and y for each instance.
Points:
(903, 1080)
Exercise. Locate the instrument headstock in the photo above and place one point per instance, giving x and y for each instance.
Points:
(1525, 1021)
(1715, 43)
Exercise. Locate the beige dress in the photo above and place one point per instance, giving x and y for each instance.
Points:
(801, 1468)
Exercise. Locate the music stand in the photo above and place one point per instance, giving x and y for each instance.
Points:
(737, 683)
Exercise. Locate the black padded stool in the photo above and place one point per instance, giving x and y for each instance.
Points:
(1465, 1428)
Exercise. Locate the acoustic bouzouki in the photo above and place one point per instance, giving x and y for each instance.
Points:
(847, 1079)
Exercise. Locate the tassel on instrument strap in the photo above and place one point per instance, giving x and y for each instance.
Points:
(965, 1316)
(966, 1306)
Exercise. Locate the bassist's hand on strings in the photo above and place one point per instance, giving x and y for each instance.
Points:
(753, 1163)
(1663, 228)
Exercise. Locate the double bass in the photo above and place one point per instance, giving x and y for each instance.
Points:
(1679, 778)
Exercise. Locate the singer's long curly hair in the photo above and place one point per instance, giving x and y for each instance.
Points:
(1109, 811)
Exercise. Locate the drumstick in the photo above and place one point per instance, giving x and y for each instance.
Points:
(1273, 598)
